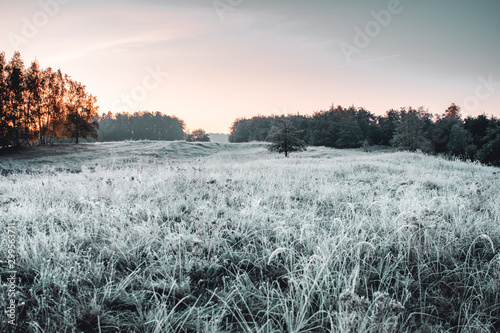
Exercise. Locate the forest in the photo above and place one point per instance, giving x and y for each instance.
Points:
(472, 138)
(142, 125)
(42, 105)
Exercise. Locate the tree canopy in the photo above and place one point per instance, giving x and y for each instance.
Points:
(143, 125)
(284, 138)
(198, 135)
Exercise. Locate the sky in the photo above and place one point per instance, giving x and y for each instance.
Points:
(210, 62)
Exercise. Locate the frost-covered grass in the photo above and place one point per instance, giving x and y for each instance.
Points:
(231, 238)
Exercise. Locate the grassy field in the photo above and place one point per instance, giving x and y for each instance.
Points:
(183, 237)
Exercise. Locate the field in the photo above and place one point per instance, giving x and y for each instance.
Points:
(185, 237)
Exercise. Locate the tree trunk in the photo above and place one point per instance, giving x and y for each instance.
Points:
(27, 116)
(15, 125)
(40, 129)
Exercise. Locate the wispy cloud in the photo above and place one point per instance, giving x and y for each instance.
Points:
(118, 45)
(119, 31)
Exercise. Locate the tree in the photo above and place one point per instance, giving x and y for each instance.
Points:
(81, 112)
(77, 126)
(460, 141)
(453, 111)
(174, 128)
(387, 126)
(56, 117)
(198, 135)
(35, 86)
(5, 128)
(284, 139)
(349, 133)
(442, 128)
(478, 127)
(240, 130)
(410, 131)
(322, 128)
(490, 152)
(16, 86)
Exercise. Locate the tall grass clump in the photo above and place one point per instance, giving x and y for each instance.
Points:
(319, 242)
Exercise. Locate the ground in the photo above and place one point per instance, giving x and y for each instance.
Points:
(207, 237)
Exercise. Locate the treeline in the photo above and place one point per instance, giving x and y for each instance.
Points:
(472, 138)
(41, 105)
(145, 125)
(142, 125)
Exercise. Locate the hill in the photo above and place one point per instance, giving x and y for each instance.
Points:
(71, 157)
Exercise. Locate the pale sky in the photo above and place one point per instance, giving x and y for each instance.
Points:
(209, 62)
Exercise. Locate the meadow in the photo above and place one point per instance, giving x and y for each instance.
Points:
(205, 237)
